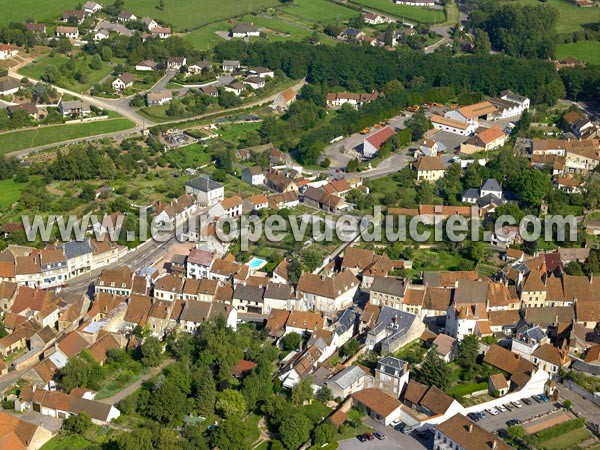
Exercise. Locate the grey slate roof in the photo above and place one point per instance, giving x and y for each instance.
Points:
(74, 249)
(388, 285)
(391, 366)
(347, 377)
(249, 293)
(393, 319)
(491, 185)
(345, 322)
(203, 183)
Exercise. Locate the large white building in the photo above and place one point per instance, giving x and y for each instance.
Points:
(206, 190)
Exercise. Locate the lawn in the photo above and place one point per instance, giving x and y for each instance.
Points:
(414, 13)
(571, 17)
(19, 140)
(193, 155)
(41, 10)
(587, 51)
(37, 67)
(322, 11)
(67, 442)
(11, 192)
(567, 440)
(178, 13)
(316, 411)
(461, 390)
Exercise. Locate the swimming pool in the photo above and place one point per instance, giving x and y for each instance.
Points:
(256, 263)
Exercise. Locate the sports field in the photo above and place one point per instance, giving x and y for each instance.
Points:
(586, 51)
(40, 10)
(414, 13)
(570, 17)
(19, 140)
(190, 14)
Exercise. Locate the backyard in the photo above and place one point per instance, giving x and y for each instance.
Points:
(19, 140)
(11, 191)
(570, 17)
(586, 51)
(414, 13)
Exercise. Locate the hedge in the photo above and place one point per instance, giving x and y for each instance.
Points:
(559, 430)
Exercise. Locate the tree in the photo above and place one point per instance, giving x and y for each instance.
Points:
(166, 403)
(324, 433)
(482, 42)
(106, 53)
(352, 165)
(78, 424)
(532, 185)
(231, 403)
(96, 62)
(229, 435)
(434, 371)
(88, 193)
(468, 351)
(574, 268)
(324, 394)
(292, 341)
(295, 430)
(567, 404)
(152, 352)
(302, 391)
(205, 390)
(516, 432)
(418, 124)
(350, 347)
(140, 439)
(312, 258)
(592, 263)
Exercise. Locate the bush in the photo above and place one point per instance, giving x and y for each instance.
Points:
(78, 424)
(559, 430)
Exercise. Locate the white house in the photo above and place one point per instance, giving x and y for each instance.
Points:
(161, 32)
(329, 294)
(228, 207)
(123, 82)
(373, 143)
(158, 98)
(150, 23)
(253, 175)
(68, 32)
(244, 30)
(199, 263)
(230, 65)
(452, 126)
(262, 72)
(472, 113)
(429, 168)
(195, 313)
(146, 66)
(235, 87)
(176, 62)
(126, 17)
(101, 35)
(91, 7)
(423, 3)
(7, 51)
(375, 19)
(255, 82)
(207, 191)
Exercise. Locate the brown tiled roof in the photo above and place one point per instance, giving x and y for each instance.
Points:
(534, 282)
(277, 320)
(357, 258)
(138, 309)
(177, 309)
(415, 297)
(224, 293)
(377, 401)
(282, 269)
(122, 277)
(243, 366)
(414, 392)
(506, 360)
(72, 344)
(338, 418)
(551, 354)
(305, 319)
(499, 381)
(104, 303)
(477, 110)
(30, 298)
(436, 401)
(470, 436)
(161, 309)
(11, 320)
(231, 202)
(503, 317)
(444, 343)
(490, 134)
(427, 163)
(327, 287)
(437, 298)
(28, 264)
(228, 268)
(370, 314)
(46, 369)
(8, 289)
(450, 122)
(593, 354)
(169, 283)
(15, 434)
(99, 348)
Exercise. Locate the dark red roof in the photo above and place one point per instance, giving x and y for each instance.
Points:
(378, 139)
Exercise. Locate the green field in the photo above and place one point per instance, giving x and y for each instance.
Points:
(587, 51)
(185, 14)
(414, 13)
(19, 140)
(41, 10)
(321, 11)
(571, 17)
(37, 67)
(567, 440)
(11, 192)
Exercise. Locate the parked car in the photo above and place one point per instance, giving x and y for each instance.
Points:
(369, 436)
(361, 438)
(508, 406)
(517, 403)
(395, 422)
(501, 408)
(474, 417)
(492, 411)
(400, 426)
(379, 435)
(526, 401)
(513, 422)
(544, 398)
(536, 398)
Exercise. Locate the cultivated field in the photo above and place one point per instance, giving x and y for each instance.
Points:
(411, 13)
(19, 140)
(186, 15)
(571, 17)
(41, 10)
(587, 51)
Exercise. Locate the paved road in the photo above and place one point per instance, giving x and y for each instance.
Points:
(527, 412)
(135, 385)
(581, 406)
(394, 439)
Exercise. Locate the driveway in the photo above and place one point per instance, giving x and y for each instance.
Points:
(526, 413)
(581, 406)
(394, 440)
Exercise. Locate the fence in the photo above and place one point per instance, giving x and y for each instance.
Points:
(578, 389)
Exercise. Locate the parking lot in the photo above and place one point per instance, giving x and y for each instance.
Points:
(393, 440)
(527, 412)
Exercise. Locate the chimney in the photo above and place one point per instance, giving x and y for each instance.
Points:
(494, 444)
(470, 428)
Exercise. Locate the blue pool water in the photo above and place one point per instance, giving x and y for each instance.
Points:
(256, 263)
